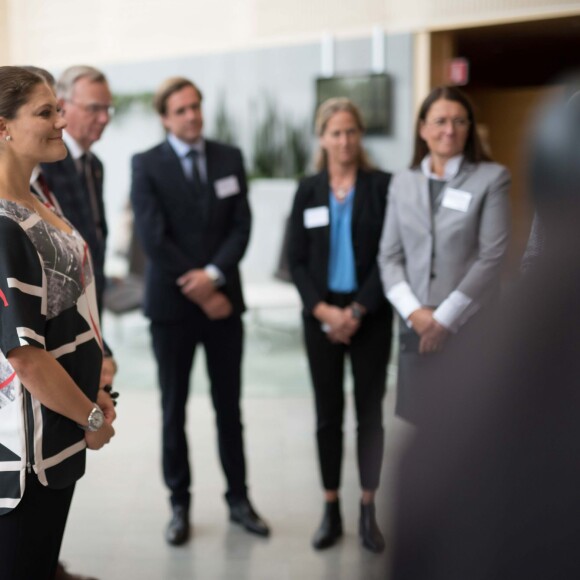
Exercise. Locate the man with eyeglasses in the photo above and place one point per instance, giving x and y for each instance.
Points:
(77, 181)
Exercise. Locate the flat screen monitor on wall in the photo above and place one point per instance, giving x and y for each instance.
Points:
(370, 92)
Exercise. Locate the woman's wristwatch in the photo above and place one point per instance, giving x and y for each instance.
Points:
(357, 311)
(95, 420)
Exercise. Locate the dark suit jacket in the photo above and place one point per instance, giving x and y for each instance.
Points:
(177, 236)
(65, 183)
(309, 248)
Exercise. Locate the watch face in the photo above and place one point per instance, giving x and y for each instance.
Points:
(96, 419)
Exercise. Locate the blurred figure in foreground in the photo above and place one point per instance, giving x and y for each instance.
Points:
(336, 226)
(489, 487)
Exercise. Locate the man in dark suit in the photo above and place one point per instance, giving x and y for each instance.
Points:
(77, 181)
(193, 220)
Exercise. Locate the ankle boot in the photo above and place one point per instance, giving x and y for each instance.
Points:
(370, 535)
(330, 528)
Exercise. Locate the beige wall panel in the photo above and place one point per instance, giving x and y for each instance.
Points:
(307, 17)
(58, 32)
(42, 31)
(433, 14)
(4, 34)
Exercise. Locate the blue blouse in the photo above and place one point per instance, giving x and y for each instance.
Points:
(341, 264)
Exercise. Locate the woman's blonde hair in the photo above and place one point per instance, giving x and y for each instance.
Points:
(325, 111)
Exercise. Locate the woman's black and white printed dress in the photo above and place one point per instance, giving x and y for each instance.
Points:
(47, 300)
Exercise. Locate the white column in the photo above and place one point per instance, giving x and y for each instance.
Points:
(378, 50)
(327, 55)
(422, 67)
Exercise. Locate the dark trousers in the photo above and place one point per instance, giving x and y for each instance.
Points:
(174, 345)
(369, 355)
(31, 534)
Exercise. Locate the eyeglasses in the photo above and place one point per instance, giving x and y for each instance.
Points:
(95, 108)
(457, 122)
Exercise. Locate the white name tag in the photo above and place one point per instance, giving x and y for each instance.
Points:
(227, 186)
(456, 199)
(316, 217)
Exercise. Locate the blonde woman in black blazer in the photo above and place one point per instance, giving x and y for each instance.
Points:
(336, 225)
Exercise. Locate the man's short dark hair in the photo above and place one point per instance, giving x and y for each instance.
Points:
(167, 88)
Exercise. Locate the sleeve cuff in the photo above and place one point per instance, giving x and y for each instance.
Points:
(215, 274)
(402, 298)
(455, 310)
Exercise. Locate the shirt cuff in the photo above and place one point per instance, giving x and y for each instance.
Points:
(215, 274)
(454, 311)
(402, 298)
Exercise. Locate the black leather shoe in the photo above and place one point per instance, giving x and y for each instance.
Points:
(242, 512)
(330, 528)
(370, 535)
(177, 532)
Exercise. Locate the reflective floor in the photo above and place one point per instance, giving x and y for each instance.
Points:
(120, 509)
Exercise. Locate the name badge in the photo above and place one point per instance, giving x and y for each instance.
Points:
(316, 217)
(227, 186)
(456, 199)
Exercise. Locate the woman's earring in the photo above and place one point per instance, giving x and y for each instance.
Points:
(8, 138)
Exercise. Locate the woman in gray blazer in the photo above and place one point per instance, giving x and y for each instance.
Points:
(444, 237)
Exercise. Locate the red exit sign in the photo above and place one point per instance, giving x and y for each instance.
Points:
(458, 71)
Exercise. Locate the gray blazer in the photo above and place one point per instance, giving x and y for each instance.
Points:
(451, 249)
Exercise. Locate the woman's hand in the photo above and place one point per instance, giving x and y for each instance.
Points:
(108, 371)
(340, 322)
(433, 338)
(433, 335)
(332, 316)
(97, 439)
(420, 319)
(107, 405)
(347, 330)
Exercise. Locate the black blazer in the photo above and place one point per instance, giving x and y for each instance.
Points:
(309, 248)
(64, 182)
(177, 236)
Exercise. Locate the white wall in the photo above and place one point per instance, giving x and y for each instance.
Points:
(53, 33)
(287, 73)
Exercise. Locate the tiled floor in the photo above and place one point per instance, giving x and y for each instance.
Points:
(115, 529)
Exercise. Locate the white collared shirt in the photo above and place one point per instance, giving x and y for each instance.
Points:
(451, 168)
(75, 150)
(182, 150)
